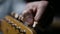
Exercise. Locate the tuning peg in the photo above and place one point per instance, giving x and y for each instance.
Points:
(10, 22)
(16, 15)
(12, 14)
(23, 31)
(13, 24)
(20, 17)
(35, 23)
(18, 28)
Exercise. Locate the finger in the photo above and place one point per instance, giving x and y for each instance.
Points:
(38, 14)
(28, 16)
(24, 12)
(40, 10)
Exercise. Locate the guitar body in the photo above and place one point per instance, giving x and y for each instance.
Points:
(9, 25)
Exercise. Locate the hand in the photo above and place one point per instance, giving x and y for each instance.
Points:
(34, 10)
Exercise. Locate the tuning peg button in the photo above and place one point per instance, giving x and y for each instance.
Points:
(18, 28)
(16, 15)
(13, 13)
(35, 23)
(14, 25)
(23, 31)
(20, 17)
(10, 22)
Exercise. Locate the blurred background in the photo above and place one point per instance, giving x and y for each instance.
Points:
(8, 6)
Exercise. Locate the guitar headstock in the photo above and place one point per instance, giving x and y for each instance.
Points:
(10, 25)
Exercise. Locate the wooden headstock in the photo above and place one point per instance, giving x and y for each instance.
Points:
(10, 25)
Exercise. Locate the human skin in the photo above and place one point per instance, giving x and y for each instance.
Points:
(34, 8)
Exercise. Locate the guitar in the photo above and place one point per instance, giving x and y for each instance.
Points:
(10, 25)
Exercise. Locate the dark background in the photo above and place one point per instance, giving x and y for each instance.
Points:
(55, 17)
(55, 5)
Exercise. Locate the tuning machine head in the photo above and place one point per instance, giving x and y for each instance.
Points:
(12, 14)
(14, 25)
(16, 15)
(23, 31)
(20, 30)
(35, 23)
(20, 17)
(10, 23)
